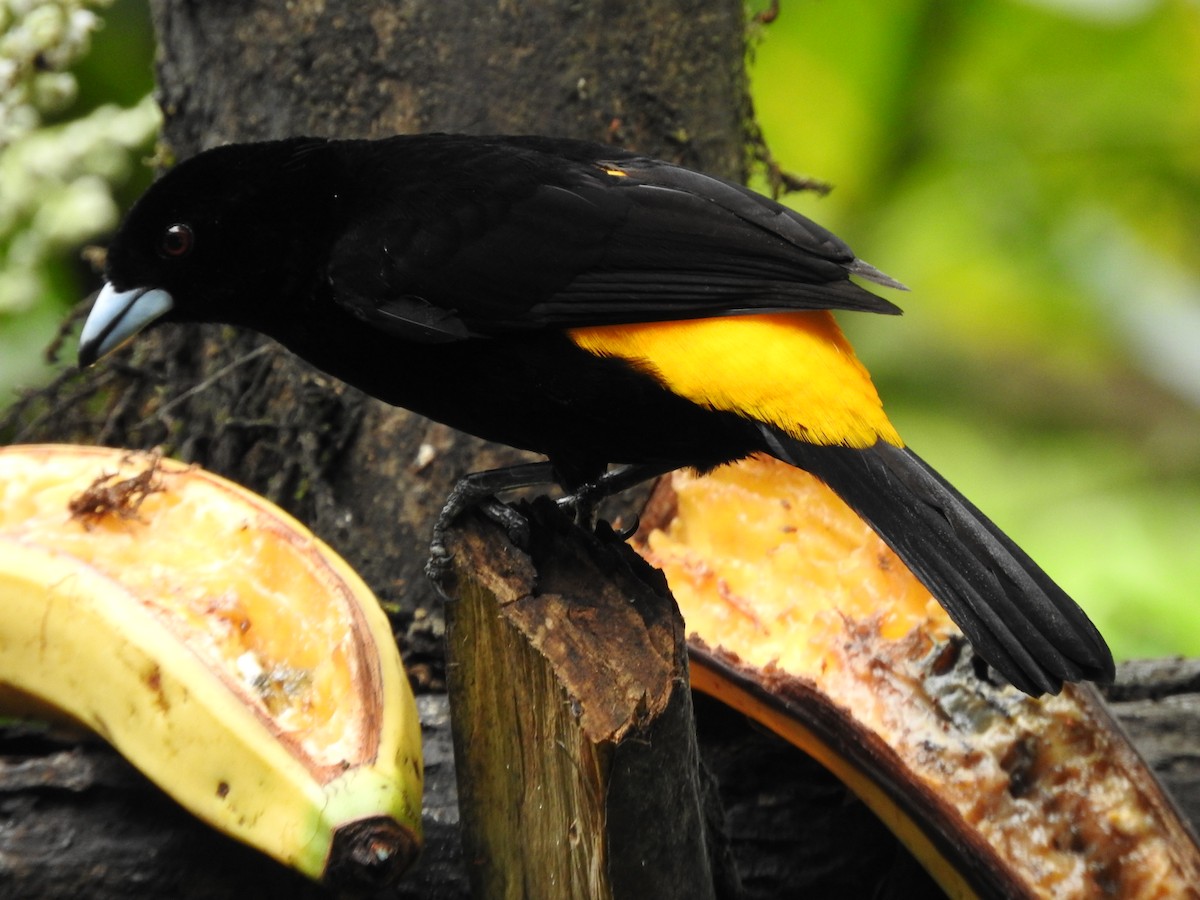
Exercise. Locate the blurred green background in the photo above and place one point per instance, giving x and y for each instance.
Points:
(1031, 170)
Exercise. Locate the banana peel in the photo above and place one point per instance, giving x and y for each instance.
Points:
(219, 646)
(801, 618)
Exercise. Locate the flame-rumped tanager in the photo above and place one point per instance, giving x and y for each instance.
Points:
(588, 303)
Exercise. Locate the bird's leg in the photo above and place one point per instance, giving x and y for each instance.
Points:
(585, 500)
(478, 490)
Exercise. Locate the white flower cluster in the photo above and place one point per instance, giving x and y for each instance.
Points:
(38, 41)
(55, 181)
(56, 192)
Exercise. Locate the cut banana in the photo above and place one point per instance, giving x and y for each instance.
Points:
(219, 646)
(799, 616)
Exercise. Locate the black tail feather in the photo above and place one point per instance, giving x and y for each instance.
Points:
(1016, 617)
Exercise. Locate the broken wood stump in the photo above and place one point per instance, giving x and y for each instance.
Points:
(575, 746)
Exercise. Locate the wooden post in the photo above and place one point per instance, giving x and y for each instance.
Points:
(575, 746)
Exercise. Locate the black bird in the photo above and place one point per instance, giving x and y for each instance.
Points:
(587, 303)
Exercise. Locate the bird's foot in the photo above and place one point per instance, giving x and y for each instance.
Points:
(584, 502)
(515, 525)
(477, 491)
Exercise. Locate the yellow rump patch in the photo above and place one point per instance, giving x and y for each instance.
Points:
(795, 370)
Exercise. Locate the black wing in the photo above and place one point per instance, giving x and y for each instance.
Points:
(483, 236)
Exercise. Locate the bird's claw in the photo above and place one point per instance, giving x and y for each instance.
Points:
(437, 566)
(515, 525)
(624, 534)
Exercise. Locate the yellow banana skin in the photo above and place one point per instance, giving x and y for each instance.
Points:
(80, 640)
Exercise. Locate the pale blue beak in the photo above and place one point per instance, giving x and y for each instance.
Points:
(116, 317)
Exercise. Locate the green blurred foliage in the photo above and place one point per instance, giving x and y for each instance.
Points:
(1031, 170)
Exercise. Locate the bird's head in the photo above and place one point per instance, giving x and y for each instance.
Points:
(227, 236)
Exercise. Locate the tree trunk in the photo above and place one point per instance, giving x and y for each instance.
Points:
(663, 76)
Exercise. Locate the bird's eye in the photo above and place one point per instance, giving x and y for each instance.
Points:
(177, 241)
